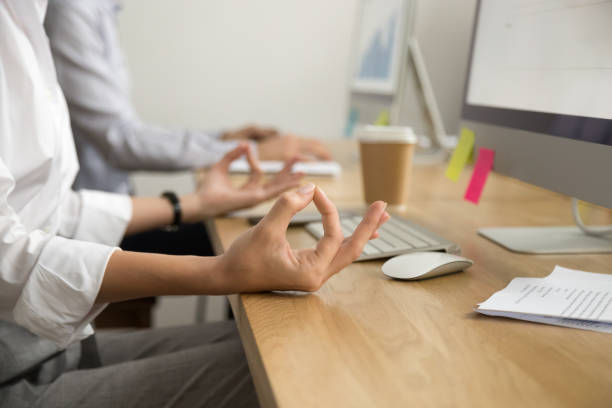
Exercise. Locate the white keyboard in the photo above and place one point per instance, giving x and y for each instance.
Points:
(396, 236)
(314, 168)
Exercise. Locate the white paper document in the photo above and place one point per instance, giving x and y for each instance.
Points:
(314, 168)
(566, 297)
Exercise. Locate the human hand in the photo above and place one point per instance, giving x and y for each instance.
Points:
(288, 146)
(250, 133)
(261, 259)
(216, 194)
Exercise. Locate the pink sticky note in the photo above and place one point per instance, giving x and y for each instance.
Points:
(483, 166)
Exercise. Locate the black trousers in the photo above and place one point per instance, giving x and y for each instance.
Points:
(189, 239)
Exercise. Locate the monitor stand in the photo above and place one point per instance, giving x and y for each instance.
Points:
(548, 240)
(553, 240)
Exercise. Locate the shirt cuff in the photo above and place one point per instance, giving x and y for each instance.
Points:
(215, 134)
(58, 300)
(104, 217)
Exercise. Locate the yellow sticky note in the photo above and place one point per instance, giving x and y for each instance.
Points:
(462, 154)
(383, 119)
(584, 209)
(470, 159)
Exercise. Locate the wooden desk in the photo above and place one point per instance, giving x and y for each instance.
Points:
(365, 340)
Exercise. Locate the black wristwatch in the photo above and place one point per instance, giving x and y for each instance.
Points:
(176, 207)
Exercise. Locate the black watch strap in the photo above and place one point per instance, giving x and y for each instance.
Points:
(176, 207)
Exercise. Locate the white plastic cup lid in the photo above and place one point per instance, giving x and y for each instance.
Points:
(386, 134)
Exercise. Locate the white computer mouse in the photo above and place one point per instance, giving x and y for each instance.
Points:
(421, 265)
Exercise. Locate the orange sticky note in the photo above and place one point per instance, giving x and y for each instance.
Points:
(483, 166)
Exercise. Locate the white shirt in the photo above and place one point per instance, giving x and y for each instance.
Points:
(111, 140)
(54, 243)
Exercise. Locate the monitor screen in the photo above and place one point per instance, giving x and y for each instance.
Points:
(543, 66)
(539, 93)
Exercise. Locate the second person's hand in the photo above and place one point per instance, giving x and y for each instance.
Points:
(217, 195)
(289, 146)
(256, 133)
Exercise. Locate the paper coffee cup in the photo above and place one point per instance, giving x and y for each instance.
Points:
(386, 163)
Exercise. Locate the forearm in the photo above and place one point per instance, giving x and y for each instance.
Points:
(131, 275)
(139, 146)
(155, 212)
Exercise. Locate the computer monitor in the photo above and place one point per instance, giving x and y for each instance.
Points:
(539, 92)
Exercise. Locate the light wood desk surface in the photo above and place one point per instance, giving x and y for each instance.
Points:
(365, 340)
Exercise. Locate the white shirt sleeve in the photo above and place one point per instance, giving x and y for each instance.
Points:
(51, 281)
(50, 268)
(57, 295)
(95, 216)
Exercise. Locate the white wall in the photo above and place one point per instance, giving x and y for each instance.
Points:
(213, 64)
(216, 64)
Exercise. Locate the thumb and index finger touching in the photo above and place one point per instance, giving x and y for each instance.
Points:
(331, 248)
(289, 204)
(232, 155)
(284, 180)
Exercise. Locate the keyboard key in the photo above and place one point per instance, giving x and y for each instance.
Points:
(414, 232)
(370, 250)
(348, 225)
(400, 235)
(382, 245)
(394, 236)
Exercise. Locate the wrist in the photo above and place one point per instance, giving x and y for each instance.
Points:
(210, 277)
(194, 208)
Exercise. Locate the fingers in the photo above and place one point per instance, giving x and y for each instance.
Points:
(301, 157)
(385, 217)
(353, 246)
(256, 172)
(278, 218)
(288, 167)
(315, 148)
(343, 252)
(232, 155)
(279, 184)
(263, 133)
(283, 180)
(328, 245)
(250, 132)
(368, 225)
